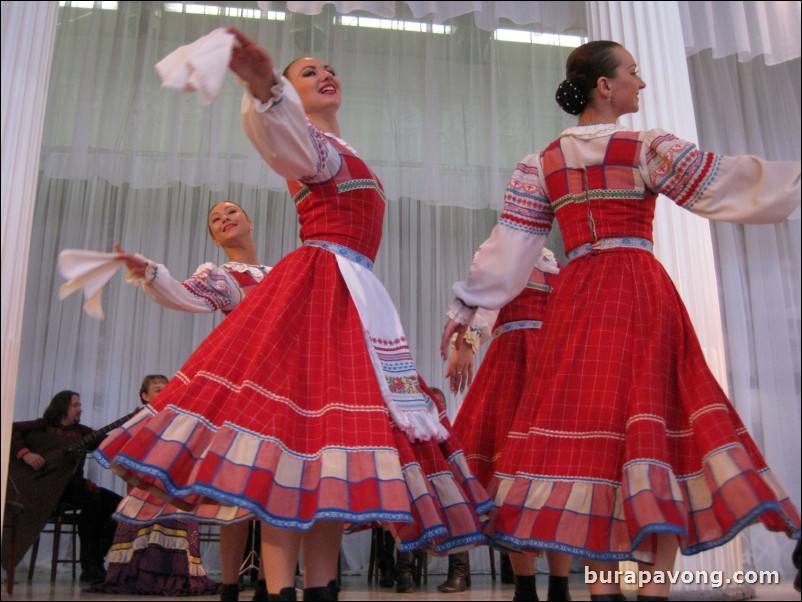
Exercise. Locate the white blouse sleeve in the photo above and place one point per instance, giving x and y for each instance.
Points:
(286, 139)
(743, 189)
(502, 264)
(210, 288)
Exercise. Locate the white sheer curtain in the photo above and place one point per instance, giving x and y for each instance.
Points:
(443, 118)
(753, 108)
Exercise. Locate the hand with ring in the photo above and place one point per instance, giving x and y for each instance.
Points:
(460, 368)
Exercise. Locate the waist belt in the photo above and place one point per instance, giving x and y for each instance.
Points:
(342, 251)
(630, 242)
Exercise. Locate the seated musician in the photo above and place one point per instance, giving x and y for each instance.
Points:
(61, 423)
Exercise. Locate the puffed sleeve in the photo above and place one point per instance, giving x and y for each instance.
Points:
(210, 288)
(286, 139)
(743, 189)
(501, 266)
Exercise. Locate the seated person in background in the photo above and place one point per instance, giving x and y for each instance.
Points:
(161, 559)
(61, 421)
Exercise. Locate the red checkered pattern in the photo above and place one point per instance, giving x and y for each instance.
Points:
(623, 431)
(485, 416)
(278, 413)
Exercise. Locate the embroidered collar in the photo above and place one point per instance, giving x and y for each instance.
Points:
(257, 271)
(593, 130)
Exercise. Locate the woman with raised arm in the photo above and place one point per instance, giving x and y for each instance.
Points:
(304, 408)
(209, 289)
(633, 448)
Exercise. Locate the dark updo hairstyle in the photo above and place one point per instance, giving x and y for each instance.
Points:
(585, 65)
(58, 407)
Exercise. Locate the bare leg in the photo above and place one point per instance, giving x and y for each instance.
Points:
(522, 564)
(559, 567)
(665, 556)
(559, 563)
(280, 549)
(232, 545)
(608, 570)
(321, 546)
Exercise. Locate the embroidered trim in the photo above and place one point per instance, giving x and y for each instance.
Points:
(359, 185)
(611, 243)
(519, 325)
(342, 251)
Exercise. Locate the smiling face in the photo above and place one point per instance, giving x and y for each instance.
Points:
(227, 221)
(625, 85)
(316, 83)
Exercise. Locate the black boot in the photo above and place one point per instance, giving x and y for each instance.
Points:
(608, 598)
(229, 592)
(558, 589)
(525, 589)
(507, 574)
(404, 583)
(459, 574)
(328, 592)
(286, 593)
(385, 548)
(797, 558)
(260, 591)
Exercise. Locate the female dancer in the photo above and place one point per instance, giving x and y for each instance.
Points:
(303, 408)
(212, 288)
(485, 418)
(633, 448)
(161, 559)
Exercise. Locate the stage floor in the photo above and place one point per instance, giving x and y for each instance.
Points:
(357, 588)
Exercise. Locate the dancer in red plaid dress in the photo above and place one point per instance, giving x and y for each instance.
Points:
(303, 408)
(631, 446)
(484, 422)
(209, 289)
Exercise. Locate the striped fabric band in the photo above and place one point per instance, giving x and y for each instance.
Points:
(519, 325)
(342, 251)
(629, 242)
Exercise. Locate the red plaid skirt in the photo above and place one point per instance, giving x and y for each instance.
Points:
(278, 415)
(484, 419)
(624, 432)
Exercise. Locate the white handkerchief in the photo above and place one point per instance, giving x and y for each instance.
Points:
(199, 67)
(89, 271)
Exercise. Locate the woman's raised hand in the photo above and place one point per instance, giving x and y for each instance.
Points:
(253, 64)
(136, 265)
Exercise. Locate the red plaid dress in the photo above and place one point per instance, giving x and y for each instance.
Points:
(484, 419)
(278, 414)
(623, 432)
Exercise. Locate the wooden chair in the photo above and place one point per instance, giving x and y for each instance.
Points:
(65, 518)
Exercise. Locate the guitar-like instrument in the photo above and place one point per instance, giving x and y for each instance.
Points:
(37, 492)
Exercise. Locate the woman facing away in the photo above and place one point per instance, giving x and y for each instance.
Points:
(303, 408)
(485, 419)
(161, 559)
(632, 449)
(209, 289)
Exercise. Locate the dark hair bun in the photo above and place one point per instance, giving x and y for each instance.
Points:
(570, 98)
